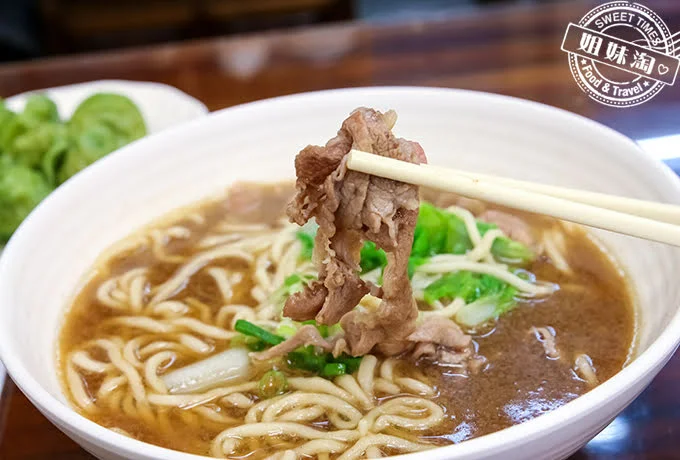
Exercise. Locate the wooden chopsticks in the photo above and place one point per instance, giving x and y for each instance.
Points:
(643, 219)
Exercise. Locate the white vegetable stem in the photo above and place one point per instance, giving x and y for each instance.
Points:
(225, 367)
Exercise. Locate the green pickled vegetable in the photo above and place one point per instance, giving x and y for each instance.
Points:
(272, 383)
(114, 111)
(41, 151)
(101, 124)
(40, 109)
(6, 115)
(21, 189)
(40, 147)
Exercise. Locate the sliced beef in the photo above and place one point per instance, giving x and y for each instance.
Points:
(441, 331)
(305, 304)
(514, 227)
(306, 335)
(352, 207)
(441, 340)
(546, 336)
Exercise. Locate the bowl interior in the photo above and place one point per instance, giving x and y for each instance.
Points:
(57, 245)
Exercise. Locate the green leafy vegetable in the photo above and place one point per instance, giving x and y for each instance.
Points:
(372, 257)
(476, 313)
(307, 241)
(468, 286)
(463, 284)
(21, 189)
(272, 383)
(306, 236)
(487, 308)
(414, 262)
(512, 252)
(486, 296)
(429, 237)
(441, 232)
(295, 283)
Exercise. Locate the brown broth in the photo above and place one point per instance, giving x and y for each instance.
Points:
(593, 314)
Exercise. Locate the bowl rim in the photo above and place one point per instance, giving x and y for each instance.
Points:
(648, 362)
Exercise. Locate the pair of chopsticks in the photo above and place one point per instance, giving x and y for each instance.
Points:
(643, 219)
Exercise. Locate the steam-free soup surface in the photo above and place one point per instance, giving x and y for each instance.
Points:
(591, 316)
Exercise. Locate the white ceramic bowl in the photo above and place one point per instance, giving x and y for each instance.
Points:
(57, 244)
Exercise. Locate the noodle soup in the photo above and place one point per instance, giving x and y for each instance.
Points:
(159, 343)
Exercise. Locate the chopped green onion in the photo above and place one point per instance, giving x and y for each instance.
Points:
(306, 359)
(333, 370)
(245, 341)
(272, 383)
(351, 363)
(286, 328)
(248, 328)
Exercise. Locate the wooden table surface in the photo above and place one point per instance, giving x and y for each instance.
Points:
(513, 51)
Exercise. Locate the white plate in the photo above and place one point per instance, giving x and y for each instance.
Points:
(162, 106)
